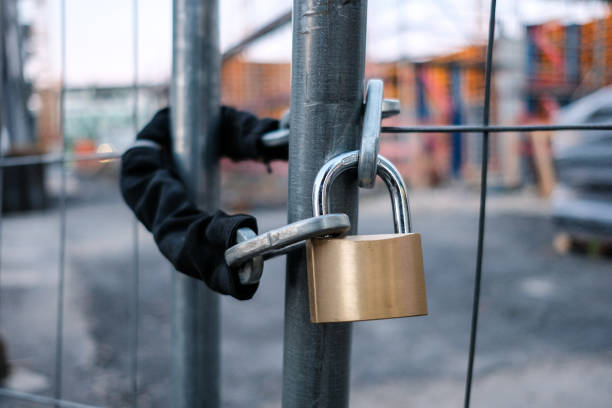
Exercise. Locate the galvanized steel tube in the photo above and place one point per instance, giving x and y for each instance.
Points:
(195, 107)
(326, 107)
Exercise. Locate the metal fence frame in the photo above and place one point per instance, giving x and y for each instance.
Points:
(329, 41)
(195, 111)
(312, 393)
(62, 159)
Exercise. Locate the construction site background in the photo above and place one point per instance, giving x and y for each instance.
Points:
(552, 65)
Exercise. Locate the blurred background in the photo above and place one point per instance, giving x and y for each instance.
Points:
(545, 336)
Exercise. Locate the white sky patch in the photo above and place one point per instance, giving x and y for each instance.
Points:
(99, 42)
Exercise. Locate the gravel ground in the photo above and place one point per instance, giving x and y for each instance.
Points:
(545, 334)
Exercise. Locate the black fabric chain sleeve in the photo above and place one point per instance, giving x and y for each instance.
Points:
(192, 240)
(158, 130)
(240, 136)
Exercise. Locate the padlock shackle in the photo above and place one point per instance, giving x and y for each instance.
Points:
(384, 169)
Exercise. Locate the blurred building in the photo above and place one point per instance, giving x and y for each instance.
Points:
(22, 187)
(263, 88)
(552, 65)
(567, 61)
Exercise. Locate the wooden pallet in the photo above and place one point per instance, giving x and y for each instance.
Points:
(565, 243)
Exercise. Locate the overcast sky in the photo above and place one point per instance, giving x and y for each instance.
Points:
(99, 34)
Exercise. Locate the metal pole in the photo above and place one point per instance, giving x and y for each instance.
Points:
(326, 106)
(61, 275)
(135, 292)
(195, 107)
(17, 119)
(2, 98)
(2, 39)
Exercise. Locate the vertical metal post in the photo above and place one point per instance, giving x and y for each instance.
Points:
(135, 292)
(2, 97)
(61, 274)
(326, 106)
(195, 107)
(17, 120)
(2, 73)
(483, 203)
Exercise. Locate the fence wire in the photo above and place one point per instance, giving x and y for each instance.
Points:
(59, 330)
(41, 400)
(492, 129)
(61, 159)
(486, 129)
(135, 292)
(483, 202)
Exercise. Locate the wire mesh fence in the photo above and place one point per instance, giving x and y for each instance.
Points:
(63, 159)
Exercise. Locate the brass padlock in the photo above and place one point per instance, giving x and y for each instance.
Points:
(365, 277)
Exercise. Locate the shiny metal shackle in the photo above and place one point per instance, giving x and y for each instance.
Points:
(276, 241)
(370, 133)
(384, 168)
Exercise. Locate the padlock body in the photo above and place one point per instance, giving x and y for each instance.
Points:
(365, 277)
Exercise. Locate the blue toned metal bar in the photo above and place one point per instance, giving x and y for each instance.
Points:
(38, 399)
(58, 158)
(492, 129)
(59, 339)
(195, 109)
(2, 99)
(483, 202)
(135, 292)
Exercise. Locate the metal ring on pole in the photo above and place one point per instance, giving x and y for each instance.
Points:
(391, 107)
(385, 169)
(278, 137)
(285, 120)
(277, 239)
(275, 138)
(370, 133)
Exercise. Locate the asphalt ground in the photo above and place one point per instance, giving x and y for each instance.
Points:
(544, 339)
